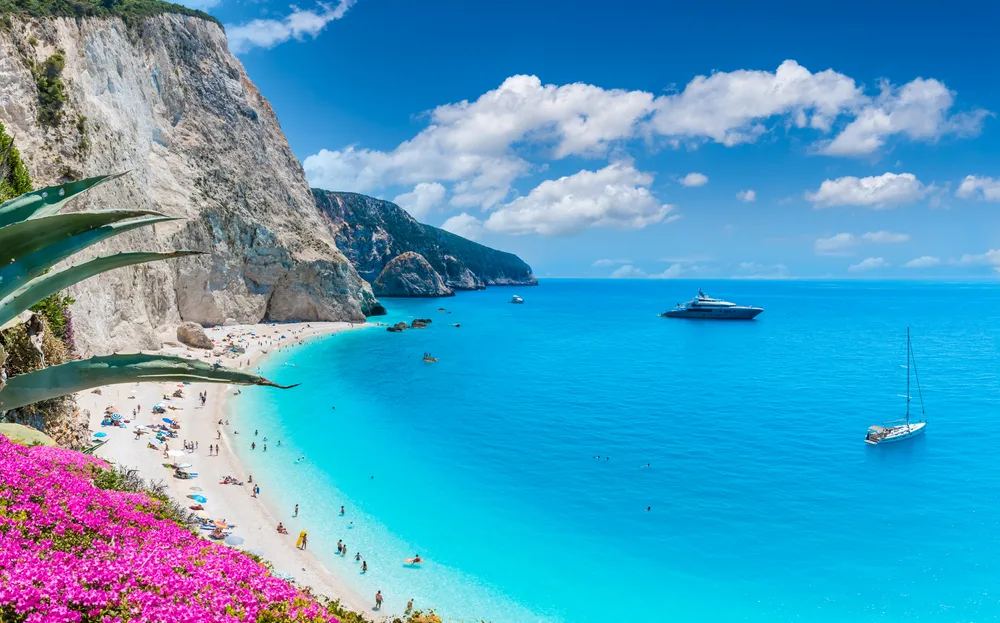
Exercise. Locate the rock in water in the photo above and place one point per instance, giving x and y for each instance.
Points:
(409, 274)
(371, 232)
(192, 334)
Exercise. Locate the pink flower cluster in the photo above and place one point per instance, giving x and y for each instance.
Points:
(71, 552)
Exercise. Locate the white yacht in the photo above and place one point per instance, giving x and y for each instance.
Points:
(704, 306)
(517, 300)
(899, 430)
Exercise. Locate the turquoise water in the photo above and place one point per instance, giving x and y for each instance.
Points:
(766, 505)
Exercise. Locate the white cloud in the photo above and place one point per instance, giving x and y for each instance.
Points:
(616, 196)
(841, 244)
(748, 196)
(604, 263)
(628, 272)
(464, 225)
(924, 261)
(298, 25)
(878, 192)
(727, 107)
(919, 110)
(422, 199)
(885, 237)
(986, 188)
(694, 180)
(756, 270)
(871, 263)
(990, 258)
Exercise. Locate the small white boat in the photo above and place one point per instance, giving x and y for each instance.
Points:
(899, 430)
(517, 300)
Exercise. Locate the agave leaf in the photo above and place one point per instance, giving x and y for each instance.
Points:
(48, 200)
(20, 239)
(34, 264)
(37, 289)
(75, 376)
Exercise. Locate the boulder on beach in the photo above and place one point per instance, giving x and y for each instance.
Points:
(192, 334)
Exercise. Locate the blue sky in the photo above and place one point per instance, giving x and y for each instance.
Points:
(648, 140)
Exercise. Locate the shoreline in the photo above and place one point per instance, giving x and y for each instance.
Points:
(255, 517)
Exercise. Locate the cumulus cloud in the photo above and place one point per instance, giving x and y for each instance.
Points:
(990, 258)
(422, 199)
(694, 180)
(478, 148)
(672, 272)
(464, 225)
(924, 261)
(871, 263)
(616, 196)
(748, 196)
(986, 188)
(878, 192)
(842, 244)
(299, 25)
(919, 110)
(628, 272)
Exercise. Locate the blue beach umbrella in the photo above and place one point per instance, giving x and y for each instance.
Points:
(199, 499)
(168, 420)
(234, 540)
(116, 416)
(100, 434)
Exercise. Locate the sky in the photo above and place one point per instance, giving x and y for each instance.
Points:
(649, 139)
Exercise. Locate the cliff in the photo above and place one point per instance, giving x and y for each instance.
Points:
(372, 232)
(162, 97)
(409, 274)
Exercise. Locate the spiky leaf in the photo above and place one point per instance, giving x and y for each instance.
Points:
(33, 265)
(37, 289)
(20, 239)
(48, 200)
(76, 376)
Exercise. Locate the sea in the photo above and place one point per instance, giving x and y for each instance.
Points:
(580, 459)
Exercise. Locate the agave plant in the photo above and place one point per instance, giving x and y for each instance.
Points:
(34, 237)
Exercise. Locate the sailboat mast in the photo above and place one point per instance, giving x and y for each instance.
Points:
(908, 375)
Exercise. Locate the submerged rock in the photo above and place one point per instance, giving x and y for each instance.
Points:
(409, 274)
(192, 334)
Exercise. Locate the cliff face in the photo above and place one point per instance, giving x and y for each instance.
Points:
(166, 100)
(409, 274)
(372, 232)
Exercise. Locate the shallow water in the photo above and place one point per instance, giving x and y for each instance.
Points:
(766, 505)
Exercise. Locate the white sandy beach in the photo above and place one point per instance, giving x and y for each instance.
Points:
(255, 518)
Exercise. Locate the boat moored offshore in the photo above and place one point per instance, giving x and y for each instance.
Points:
(706, 307)
(899, 430)
(517, 300)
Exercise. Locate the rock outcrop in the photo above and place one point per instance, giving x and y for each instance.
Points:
(192, 334)
(163, 98)
(409, 274)
(372, 232)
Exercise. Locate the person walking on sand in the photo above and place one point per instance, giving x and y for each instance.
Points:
(296, 511)
(304, 540)
(378, 600)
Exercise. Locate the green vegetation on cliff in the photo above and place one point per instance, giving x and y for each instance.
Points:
(129, 10)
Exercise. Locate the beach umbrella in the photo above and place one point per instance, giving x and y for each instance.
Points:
(168, 420)
(196, 489)
(184, 466)
(116, 416)
(100, 434)
(198, 498)
(234, 540)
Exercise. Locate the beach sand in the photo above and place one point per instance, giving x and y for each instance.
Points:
(256, 520)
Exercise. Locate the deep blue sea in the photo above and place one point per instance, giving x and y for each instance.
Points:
(765, 504)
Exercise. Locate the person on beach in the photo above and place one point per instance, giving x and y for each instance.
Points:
(250, 479)
(364, 566)
(255, 432)
(378, 600)
(304, 540)
(253, 445)
(341, 511)
(357, 557)
(265, 447)
(340, 545)
(218, 435)
(296, 511)
(409, 606)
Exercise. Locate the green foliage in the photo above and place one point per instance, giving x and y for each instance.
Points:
(131, 11)
(51, 90)
(14, 178)
(83, 144)
(55, 309)
(32, 40)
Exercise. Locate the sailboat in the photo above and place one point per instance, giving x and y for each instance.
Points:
(899, 430)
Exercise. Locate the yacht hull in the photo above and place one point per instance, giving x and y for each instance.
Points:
(899, 434)
(722, 313)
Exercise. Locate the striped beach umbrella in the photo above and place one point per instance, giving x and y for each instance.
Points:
(116, 416)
